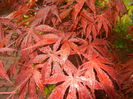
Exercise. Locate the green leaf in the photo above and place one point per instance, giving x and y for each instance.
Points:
(48, 90)
(26, 16)
(126, 19)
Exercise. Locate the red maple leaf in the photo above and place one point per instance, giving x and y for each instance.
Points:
(74, 82)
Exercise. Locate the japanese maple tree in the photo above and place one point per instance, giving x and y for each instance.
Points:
(64, 43)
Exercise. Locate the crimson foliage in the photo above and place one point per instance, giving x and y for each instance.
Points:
(64, 43)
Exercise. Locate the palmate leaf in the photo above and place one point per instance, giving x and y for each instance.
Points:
(56, 38)
(70, 47)
(100, 47)
(79, 5)
(73, 82)
(51, 64)
(46, 39)
(105, 23)
(93, 24)
(97, 61)
(54, 57)
(29, 78)
(103, 72)
(42, 14)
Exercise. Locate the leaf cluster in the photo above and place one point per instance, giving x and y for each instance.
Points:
(63, 48)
